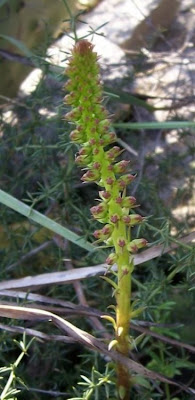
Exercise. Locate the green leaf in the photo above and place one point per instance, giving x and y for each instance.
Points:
(155, 125)
(140, 380)
(112, 283)
(86, 379)
(41, 219)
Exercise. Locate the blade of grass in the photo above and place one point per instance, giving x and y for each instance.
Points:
(18, 44)
(155, 125)
(42, 220)
(126, 98)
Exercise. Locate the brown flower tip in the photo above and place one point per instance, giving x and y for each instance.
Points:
(83, 47)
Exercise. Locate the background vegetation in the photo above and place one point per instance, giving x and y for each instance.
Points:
(37, 167)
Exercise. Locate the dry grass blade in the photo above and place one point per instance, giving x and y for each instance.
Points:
(65, 277)
(90, 312)
(33, 314)
(37, 297)
(70, 309)
(86, 339)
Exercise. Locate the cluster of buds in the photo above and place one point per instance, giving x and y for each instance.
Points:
(96, 155)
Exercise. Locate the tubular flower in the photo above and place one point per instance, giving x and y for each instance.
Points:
(99, 158)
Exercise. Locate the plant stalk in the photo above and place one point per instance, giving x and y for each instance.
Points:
(99, 159)
(123, 311)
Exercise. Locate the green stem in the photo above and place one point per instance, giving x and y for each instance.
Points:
(123, 310)
(167, 391)
(166, 385)
(122, 334)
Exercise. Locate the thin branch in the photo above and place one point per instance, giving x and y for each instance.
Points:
(47, 392)
(127, 147)
(94, 321)
(30, 254)
(38, 334)
(8, 55)
(163, 338)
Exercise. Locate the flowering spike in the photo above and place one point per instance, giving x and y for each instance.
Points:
(93, 133)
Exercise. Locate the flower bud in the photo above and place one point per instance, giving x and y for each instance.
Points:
(105, 195)
(104, 233)
(97, 233)
(113, 153)
(114, 218)
(69, 98)
(121, 242)
(103, 114)
(107, 138)
(124, 180)
(90, 176)
(83, 48)
(107, 230)
(119, 200)
(121, 166)
(110, 181)
(136, 244)
(74, 114)
(92, 142)
(85, 151)
(99, 211)
(111, 259)
(125, 269)
(76, 136)
(68, 85)
(128, 201)
(71, 68)
(104, 125)
(96, 151)
(82, 161)
(96, 165)
(84, 157)
(132, 219)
